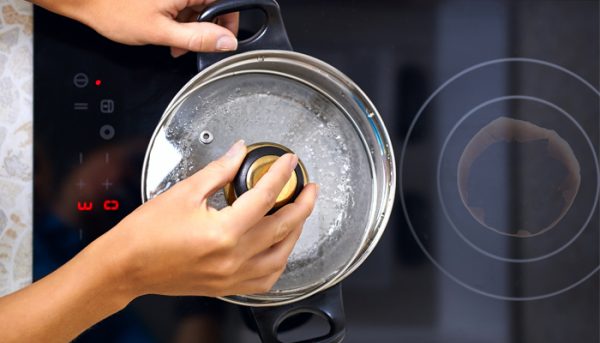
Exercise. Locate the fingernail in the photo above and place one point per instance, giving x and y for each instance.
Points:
(235, 149)
(177, 53)
(293, 162)
(226, 43)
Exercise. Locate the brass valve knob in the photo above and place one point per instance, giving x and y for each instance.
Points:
(257, 162)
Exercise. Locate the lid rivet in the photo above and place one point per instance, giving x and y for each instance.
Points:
(206, 137)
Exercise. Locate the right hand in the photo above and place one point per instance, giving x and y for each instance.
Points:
(176, 244)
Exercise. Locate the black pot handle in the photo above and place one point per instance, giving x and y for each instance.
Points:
(272, 34)
(326, 304)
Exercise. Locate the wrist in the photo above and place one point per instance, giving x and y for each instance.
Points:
(67, 8)
(111, 265)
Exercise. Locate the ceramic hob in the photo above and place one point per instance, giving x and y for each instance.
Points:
(493, 108)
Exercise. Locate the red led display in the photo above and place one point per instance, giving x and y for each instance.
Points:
(111, 205)
(98, 83)
(84, 206)
(108, 205)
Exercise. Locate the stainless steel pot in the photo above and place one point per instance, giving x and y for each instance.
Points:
(310, 107)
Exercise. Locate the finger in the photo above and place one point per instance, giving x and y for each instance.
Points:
(231, 21)
(277, 227)
(253, 205)
(186, 15)
(197, 5)
(266, 233)
(301, 208)
(205, 37)
(273, 260)
(218, 173)
(178, 52)
(256, 286)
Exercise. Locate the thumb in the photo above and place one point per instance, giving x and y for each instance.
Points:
(219, 172)
(201, 37)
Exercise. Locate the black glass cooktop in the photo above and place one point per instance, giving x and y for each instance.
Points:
(494, 110)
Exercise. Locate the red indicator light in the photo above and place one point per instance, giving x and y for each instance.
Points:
(111, 205)
(84, 206)
(98, 83)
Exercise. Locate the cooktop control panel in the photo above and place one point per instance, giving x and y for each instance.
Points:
(93, 101)
(96, 105)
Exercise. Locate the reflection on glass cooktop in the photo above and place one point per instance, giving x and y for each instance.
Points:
(494, 110)
(516, 181)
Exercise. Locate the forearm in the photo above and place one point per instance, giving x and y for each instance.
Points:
(59, 307)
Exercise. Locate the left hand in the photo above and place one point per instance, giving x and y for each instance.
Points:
(162, 22)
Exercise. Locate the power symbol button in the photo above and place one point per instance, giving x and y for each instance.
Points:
(80, 80)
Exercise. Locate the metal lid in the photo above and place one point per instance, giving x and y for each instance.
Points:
(300, 104)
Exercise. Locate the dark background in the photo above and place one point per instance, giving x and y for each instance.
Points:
(399, 52)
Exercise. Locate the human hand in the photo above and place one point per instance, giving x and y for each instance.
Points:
(178, 245)
(162, 22)
(175, 244)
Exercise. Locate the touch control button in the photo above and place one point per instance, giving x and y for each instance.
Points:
(80, 80)
(107, 132)
(107, 106)
(107, 184)
(80, 106)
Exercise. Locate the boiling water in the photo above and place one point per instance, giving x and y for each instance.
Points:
(266, 108)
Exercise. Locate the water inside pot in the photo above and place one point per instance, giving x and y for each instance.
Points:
(263, 107)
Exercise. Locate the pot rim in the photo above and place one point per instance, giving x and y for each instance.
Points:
(379, 212)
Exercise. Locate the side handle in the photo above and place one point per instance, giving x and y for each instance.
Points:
(272, 35)
(326, 304)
